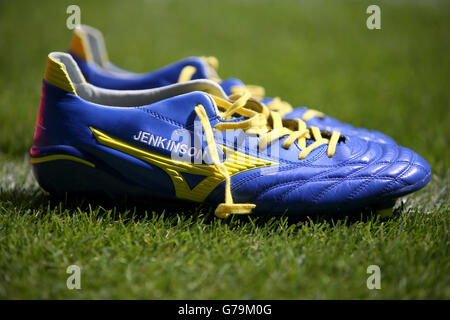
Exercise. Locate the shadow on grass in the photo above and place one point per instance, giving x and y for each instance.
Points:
(24, 200)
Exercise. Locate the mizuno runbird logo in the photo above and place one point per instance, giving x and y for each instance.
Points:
(236, 162)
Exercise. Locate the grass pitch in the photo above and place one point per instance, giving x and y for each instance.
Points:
(314, 53)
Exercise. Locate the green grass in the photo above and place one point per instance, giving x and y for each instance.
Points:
(315, 53)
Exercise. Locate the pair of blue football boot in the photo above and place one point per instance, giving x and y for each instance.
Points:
(183, 133)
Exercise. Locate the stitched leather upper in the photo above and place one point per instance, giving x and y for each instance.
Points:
(328, 123)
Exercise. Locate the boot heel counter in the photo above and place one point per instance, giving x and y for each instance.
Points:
(55, 75)
(79, 45)
(39, 128)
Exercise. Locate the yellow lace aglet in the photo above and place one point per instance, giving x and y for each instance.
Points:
(223, 210)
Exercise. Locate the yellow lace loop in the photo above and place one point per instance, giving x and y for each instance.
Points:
(237, 105)
(186, 73)
(212, 61)
(228, 207)
(311, 113)
(280, 106)
(276, 104)
(257, 92)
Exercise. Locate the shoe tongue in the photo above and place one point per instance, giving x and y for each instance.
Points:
(227, 84)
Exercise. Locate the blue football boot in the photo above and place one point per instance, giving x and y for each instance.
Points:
(191, 141)
(88, 49)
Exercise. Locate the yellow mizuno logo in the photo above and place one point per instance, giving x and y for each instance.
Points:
(236, 162)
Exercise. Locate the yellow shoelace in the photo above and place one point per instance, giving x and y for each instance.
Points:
(188, 72)
(257, 92)
(269, 126)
